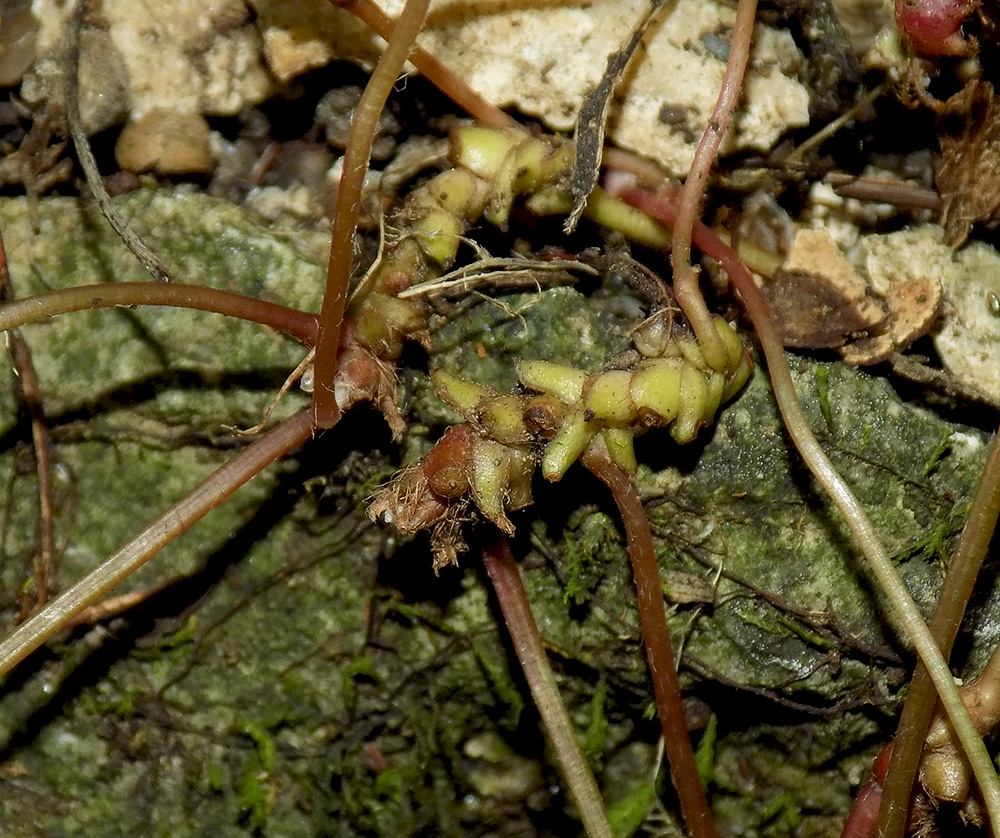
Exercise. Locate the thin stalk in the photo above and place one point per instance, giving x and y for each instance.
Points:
(71, 80)
(520, 622)
(823, 470)
(215, 489)
(438, 74)
(656, 638)
(918, 710)
(345, 221)
(686, 289)
(299, 324)
(30, 392)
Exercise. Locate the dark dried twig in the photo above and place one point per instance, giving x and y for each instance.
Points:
(592, 121)
(137, 247)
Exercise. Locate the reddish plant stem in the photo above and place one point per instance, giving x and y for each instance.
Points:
(345, 221)
(656, 637)
(43, 562)
(861, 822)
(298, 324)
(201, 500)
(30, 389)
(686, 289)
(956, 590)
(438, 74)
(520, 622)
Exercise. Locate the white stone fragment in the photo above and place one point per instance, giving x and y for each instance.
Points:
(543, 59)
(214, 58)
(967, 336)
(186, 56)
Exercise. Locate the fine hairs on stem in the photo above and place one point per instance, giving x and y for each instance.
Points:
(656, 637)
(920, 702)
(823, 470)
(345, 220)
(506, 580)
(686, 289)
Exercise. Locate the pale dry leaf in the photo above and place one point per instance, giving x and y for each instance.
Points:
(821, 302)
(913, 305)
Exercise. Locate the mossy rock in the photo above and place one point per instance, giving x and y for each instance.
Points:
(301, 671)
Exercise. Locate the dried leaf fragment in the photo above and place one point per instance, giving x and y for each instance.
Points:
(819, 301)
(969, 175)
(913, 305)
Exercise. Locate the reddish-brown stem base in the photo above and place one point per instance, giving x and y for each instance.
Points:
(659, 652)
(864, 815)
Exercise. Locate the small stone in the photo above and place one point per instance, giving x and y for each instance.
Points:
(166, 142)
(18, 31)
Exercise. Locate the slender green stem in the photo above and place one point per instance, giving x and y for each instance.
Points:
(345, 222)
(918, 709)
(218, 486)
(656, 638)
(686, 289)
(864, 533)
(299, 324)
(517, 616)
(823, 470)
